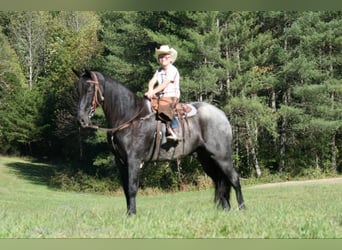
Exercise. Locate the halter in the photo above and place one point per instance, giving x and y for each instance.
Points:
(95, 102)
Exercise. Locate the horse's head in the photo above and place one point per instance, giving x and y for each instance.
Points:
(90, 92)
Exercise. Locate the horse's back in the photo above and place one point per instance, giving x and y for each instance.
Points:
(212, 117)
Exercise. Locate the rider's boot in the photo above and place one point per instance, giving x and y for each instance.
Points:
(172, 135)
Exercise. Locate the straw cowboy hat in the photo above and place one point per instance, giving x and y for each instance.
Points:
(166, 50)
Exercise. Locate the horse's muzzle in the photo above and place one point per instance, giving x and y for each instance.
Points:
(83, 120)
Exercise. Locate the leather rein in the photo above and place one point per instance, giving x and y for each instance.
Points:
(95, 102)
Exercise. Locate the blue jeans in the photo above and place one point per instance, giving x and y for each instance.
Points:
(174, 123)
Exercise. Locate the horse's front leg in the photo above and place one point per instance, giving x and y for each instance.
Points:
(133, 185)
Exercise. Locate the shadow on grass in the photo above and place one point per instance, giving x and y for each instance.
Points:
(36, 173)
(62, 177)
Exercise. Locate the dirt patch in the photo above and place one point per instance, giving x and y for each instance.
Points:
(294, 183)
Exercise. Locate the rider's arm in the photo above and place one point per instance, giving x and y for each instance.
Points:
(161, 87)
(151, 84)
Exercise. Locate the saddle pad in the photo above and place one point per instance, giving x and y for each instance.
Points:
(187, 110)
(193, 111)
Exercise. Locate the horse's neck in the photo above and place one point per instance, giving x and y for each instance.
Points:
(122, 106)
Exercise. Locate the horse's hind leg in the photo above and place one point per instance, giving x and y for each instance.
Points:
(232, 177)
(220, 169)
(222, 193)
(222, 186)
(234, 180)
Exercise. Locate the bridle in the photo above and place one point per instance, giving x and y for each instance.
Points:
(97, 91)
(95, 102)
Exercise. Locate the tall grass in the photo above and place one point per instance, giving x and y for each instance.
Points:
(29, 209)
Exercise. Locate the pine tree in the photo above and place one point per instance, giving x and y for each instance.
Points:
(312, 50)
(19, 106)
(319, 94)
(127, 53)
(12, 82)
(250, 82)
(204, 48)
(72, 42)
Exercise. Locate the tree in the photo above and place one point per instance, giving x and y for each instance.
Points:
(204, 54)
(28, 30)
(11, 83)
(19, 106)
(128, 64)
(248, 57)
(72, 42)
(49, 45)
(277, 75)
(312, 71)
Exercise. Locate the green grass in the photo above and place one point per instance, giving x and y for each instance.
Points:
(30, 209)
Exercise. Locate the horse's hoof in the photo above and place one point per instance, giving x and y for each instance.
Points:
(242, 206)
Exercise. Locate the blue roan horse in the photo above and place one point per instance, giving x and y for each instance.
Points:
(132, 134)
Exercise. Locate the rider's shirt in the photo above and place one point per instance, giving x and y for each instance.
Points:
(172, 89)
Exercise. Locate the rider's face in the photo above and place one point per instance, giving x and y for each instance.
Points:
(164, 59)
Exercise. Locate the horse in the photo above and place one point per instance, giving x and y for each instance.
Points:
(131, 134)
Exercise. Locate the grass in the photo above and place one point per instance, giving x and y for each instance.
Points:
(30, 209)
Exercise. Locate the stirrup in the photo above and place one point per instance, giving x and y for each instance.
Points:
(172, 136)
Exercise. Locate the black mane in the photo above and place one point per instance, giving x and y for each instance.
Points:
(120, 104)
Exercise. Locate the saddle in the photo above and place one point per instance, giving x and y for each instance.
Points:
(165, 112)
(185, 110)
(166, 109)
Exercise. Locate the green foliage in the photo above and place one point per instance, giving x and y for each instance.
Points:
(276, 74)
(159, 176)
(78, 181)
(23, 125)
(20, 123)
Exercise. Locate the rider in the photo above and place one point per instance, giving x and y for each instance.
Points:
(167, 90)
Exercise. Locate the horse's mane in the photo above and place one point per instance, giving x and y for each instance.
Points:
(120, 103)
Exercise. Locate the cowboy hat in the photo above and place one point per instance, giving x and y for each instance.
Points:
(166, 50)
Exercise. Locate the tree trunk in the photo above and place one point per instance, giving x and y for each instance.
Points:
(80, 144)
(253, 151)
(317, 162)
(273, 101)
(236, 147)
(334, 153)
(282, 150)
(30, 48)
(333, 141)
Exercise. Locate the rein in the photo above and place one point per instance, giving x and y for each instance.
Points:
(95, 102)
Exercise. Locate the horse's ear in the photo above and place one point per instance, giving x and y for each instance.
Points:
(77, 73)
(87, 72)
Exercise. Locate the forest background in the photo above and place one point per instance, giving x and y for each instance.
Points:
(276, 75)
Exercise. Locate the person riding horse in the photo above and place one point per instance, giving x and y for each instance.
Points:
(166, 94)
(131, 132)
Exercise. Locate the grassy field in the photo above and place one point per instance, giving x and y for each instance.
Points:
(30, 209)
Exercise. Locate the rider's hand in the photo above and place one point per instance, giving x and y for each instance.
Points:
(149, 94)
